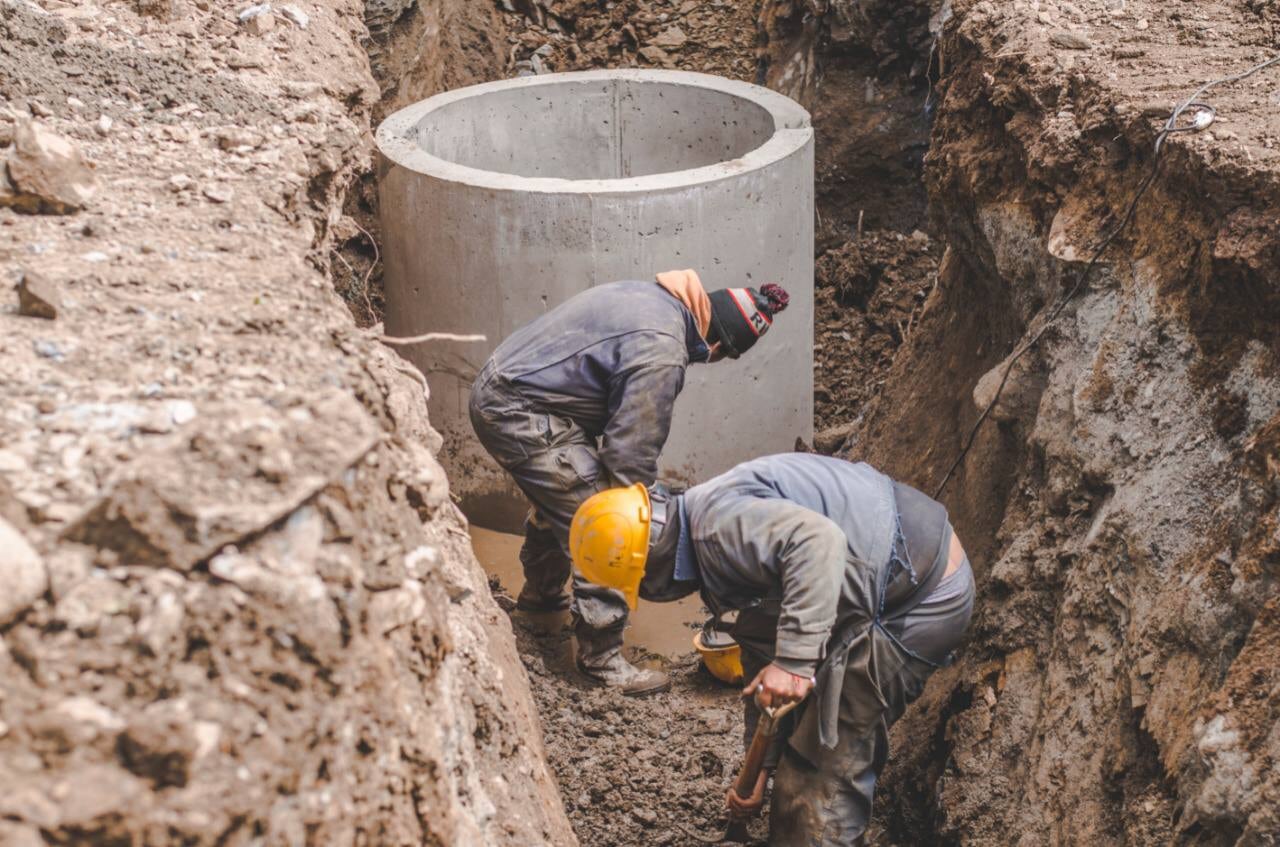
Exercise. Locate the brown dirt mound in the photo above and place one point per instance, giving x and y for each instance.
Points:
(869, 294)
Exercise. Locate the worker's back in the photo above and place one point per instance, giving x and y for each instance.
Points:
(567, 359)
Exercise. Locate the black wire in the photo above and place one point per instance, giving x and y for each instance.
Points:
(1171, 127)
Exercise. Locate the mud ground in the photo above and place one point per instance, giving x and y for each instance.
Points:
(633, 771)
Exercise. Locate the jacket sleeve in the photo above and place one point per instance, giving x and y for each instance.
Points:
(642, 400)
(773, 543)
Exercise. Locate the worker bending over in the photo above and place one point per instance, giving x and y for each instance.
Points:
(851, 588)
(581, 400)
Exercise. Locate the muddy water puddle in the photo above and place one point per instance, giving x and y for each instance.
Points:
(663, 628)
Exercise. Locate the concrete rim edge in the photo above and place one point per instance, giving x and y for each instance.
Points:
(793, 132)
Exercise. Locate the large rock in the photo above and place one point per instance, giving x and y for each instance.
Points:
(22, 573)
(242, 470)
(46, 172)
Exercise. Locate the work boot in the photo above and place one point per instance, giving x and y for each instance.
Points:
(634, 681)
(600, 660)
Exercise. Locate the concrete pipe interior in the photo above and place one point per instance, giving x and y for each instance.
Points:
(597, 129)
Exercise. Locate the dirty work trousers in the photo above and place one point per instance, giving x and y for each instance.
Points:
(554, 462)
(822, 797)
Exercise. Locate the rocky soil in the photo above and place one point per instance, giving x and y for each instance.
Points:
(1120, 682)
(239, 606)
(871, 290)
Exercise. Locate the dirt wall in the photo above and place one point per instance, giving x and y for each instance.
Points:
(244, 608)
(1119, 682)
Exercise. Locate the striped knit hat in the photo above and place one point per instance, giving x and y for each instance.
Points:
(739, 316)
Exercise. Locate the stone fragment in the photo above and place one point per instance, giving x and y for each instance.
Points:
(38, 297)
(656, 55)
(47, 172)
(1021, 394)
(671, 38)
(1068, 40)
(88, 711)
(296, 15)
(258, 20)
(91, 603)
(104, 124)
(217, 193)
(232, 137)
(22, 573)
(832, 438)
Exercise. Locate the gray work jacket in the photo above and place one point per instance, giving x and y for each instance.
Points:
(816, 543)
(791, 530)
(612, 360)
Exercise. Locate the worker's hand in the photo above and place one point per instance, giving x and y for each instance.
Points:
(748, 807)
(774, 687)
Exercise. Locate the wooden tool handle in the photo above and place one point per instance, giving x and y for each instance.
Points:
(760, 741)
(753, 762)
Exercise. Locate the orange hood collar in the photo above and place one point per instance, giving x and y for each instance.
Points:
(687, 288)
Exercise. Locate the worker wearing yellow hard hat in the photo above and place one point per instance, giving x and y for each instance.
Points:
(850, 589)
(610, 535)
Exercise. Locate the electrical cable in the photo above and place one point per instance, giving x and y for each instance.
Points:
(1204, 117)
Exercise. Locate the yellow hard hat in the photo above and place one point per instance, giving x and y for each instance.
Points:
(609, 539)
(723, 662)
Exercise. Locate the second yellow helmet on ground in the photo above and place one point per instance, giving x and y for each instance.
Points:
(722, 656)
(609, 539)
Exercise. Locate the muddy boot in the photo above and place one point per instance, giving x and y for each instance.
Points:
(600, 660)
(546, 569)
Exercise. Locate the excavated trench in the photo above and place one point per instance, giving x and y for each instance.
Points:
(241, 607)
(1120, 504)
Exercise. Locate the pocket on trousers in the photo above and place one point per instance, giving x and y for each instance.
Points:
(575, 466)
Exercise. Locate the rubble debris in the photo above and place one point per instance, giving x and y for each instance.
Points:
(671, 38)
(296, 15)
(870, 292)
(258, 20)
(38, 297)
(46, 172)
(217, 193)
(1069, 40)
(22, 573)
